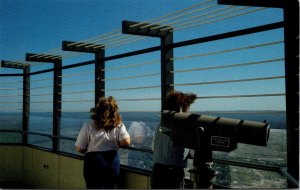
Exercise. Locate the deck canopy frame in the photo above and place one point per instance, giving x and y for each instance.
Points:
(99, 51)
(57, 81)
(26, 94)
(166, 39)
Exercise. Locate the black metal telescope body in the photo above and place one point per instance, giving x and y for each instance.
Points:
(207, 133)
(224, 133)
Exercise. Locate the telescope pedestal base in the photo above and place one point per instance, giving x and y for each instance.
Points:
(203, 177)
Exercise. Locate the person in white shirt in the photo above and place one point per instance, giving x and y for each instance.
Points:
(100, 140)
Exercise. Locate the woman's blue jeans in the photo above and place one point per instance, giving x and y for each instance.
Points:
(101, 169)
(166, 177)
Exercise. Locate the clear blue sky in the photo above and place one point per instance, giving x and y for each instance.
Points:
(38, 26)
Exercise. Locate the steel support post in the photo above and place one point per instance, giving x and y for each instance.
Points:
(166, 38)
(99, 52)
(99, 75)
(57, 89)
(291, 38)
(57, 86)
(26, 104)
(167, 65)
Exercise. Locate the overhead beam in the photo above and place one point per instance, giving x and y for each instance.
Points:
(14, 64)
(47, 58)
(144, 29)
(81, 47)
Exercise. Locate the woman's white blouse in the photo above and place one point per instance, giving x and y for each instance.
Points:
(100, 140)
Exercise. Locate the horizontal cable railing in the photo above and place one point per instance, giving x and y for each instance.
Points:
(79, 92)
(139, 99)
(11, 109)
(133, 77)
(195, 18)
(41, 80)
(12, 89)
(133, 65)
(72, 101)
(230, 81)
(11, 93)
(33, 110)
(45, 94)
(226, 51)
(41, 102)
(11, 82)
(39, 87)
(241, 96)
(219, 19)
(77, 83)
(78, 74)
(74, 110)
(231, 65)
(11, 102)
(132, 88)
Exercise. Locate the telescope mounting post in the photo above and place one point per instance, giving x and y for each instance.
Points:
(202, 174)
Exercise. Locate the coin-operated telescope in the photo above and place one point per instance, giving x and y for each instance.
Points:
(205, 134)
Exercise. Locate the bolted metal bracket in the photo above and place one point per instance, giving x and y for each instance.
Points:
(14, 64)
(43, 58)
(145, 29)
(81, 47)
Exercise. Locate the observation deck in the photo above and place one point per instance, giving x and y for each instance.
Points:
(238, 69)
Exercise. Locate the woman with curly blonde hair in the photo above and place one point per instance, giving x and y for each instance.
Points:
(100, 140)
